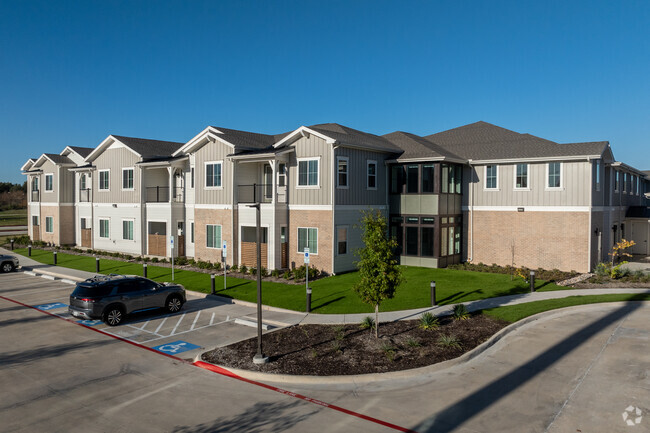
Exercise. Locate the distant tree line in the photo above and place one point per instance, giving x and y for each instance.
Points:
(13, 196)
(11, 187)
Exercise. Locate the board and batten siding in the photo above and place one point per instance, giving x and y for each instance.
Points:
(115, 159)
(53, 196)
(575, 189)
(213, 152)
(357, 192)
(67, 185)
(311, 147)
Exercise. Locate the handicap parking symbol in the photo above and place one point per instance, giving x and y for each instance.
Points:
(53, 306)
(89, 322)
(176, 347)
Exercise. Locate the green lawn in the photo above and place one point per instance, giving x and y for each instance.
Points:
(15, 217)
(332, 295)
(513, 313)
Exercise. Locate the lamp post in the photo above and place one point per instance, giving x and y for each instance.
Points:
(259, 357)
(433, 294)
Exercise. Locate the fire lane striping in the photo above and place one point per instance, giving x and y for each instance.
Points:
(222, 371)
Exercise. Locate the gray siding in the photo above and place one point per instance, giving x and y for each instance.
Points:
(53, 196)
(357, 192)
(115, 160)
(67, 185)
(213, 152)
(308, 148)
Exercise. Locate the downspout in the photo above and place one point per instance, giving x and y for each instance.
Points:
(234, 235)
(332, 198)
(590, 208)
(471, 212)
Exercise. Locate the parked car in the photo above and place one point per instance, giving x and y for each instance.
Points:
(110, 298)
(8, 263)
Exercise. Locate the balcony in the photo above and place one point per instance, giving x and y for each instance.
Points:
(36, 196)
(160, 194)
(256, 193)
(84, 195)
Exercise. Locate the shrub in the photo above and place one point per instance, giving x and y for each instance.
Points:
(286, 275)
(234, 268)
(449, 341)
(367, 323)
(602, 269)
(428, 321)
(412, 342)
(154, 260)
(275, 273)
(243, 269)
(389, 351)
(253, 271)
(264, 271)
(460, 312)
(299, 273)
(217, 266)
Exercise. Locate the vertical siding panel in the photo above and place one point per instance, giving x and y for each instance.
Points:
(214, 152)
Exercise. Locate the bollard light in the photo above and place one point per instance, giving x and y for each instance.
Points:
(97, 265)
(433, 294)
(54, 254)
(212, 283)
(12, 244)
(532, 281)
(144, 270)
(29, 250)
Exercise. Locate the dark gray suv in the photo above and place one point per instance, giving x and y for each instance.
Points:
(110, 298)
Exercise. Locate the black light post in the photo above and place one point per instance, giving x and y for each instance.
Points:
(97, 265)
(433, 294)
(212, 284)
(12, 244)
(29, 250)
(259, 358)
(54, 255)
(532, 281)
(144, 270)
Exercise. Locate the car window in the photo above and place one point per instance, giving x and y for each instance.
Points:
(147, 284)
(93, 291)
(127, 287)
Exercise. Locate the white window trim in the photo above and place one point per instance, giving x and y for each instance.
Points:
(514, 180)
(99, 180)
(298, 239)
(99, 228)
(205, 175)
(312, 158)
(347, 241)
(554, 188)
(123, 170)
(133, 221)
(368, 162)
(347, 171)
(52, 219)
(206, 236)
(45, 177)
(485, 178)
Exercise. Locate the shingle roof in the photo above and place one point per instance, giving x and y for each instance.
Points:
(484, 141)
(149, 148)
(247, 140)
(58, 159)
(83, 151)
(415, 146)
(343, 134)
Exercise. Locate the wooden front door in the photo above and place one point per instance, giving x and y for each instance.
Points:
(181, 245)
(157, 239)
(36, 233)
(86, 238)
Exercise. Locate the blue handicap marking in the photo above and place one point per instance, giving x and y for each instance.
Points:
(176, 347)
(46, 307)
(89, 322)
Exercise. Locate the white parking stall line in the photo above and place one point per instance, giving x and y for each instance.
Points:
(212, 319)
(177, 323)
(30, 292)
(195, 319)
(160, 326)
(142, 327)
(183, 332)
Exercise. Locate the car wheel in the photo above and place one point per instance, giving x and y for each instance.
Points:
(7, 267)
(113, 315)
(174, 304)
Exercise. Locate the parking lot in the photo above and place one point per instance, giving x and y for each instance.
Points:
(203, 323)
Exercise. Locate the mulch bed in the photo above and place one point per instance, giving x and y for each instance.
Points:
(325, 350)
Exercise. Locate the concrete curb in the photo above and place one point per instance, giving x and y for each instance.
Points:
(374, 378)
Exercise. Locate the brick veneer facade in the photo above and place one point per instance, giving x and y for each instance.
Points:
(550, 240)
(320, 219)
(203, 217)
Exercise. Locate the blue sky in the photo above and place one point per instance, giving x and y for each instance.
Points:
(72, 73)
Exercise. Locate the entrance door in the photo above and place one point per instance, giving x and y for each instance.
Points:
(640, 237)
(181, 239)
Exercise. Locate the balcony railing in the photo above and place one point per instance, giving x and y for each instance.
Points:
(256, 193)
(36, 195)
(84, 195)
(160, 194)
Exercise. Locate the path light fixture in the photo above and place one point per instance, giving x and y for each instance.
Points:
(433, 294)
(29, 250)
(532, 281)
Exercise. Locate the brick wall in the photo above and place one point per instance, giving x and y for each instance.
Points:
(50, 211)
(549, 240)
(321, 219)
(203, 217)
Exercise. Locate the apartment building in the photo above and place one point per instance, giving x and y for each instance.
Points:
(478, 192)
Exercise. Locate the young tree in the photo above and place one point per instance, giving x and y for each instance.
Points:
(378, 269)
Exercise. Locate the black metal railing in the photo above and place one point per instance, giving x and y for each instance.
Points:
(84, 195)
(256, 193)
(160, 194)
(36, 195)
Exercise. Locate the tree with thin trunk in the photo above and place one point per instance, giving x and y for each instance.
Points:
(377, 265)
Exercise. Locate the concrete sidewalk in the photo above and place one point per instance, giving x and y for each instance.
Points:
(281, 316)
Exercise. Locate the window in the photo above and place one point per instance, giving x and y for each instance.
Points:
(372, 174)
(213, 235)
(342, 170)
(35, 220)
(427, 178)
(82, 182)
(35, 184)
(308, 172)
(597, 175)
(49, 224)
(49, 182)
(341, 240)
(396, 179)
(192, 177)
(127, 178)
(213, 174)
(491, 176)
(104, 176)
(412, 241)
(624, 182)
(84, 223)
(192, 232)
(426, 241)
(554, 175)
(412, 179)
(458, 178)
(444, 181)
(308, 238)
(127, 230)
(103, 228)
(616, 180)
(638, 181)
(521, 176)
(282, 175)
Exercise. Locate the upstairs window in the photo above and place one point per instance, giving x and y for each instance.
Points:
(412, 179)
(308, 172)
(554, 175)
(491, 176)
(597, 176)
(427, 178)
(282, 174)
(396, 172)
(104, 177)
(521, 176)
(617, 179)
(127, 178)
(82, 182)
(625, 188)
(49, 182)
(213, 175)
(342, 170)
(35, 184)
(372, 175)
